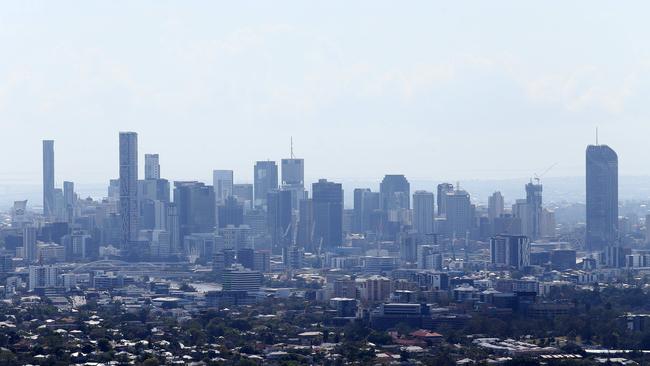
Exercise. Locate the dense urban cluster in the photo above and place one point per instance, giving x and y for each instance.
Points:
(272, 272)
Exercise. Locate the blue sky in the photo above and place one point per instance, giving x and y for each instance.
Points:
(434, 90)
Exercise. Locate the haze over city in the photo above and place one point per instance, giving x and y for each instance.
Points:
(324, 183)
(430, 90)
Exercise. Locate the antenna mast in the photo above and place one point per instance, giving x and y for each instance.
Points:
(596, 136)
(292, 156)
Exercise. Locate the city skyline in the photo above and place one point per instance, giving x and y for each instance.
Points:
(231, 82)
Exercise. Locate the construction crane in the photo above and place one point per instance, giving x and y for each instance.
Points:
(537, 177)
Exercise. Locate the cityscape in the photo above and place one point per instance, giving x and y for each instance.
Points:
(278, 271)
(324, 183)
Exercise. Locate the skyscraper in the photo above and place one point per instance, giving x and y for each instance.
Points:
(458, 210)
(266, 179)
(48, 178)
(395, 192)
(327, 204)
(129, 187)
(222, 181)
(423, 212)
(495, 206)
(279, 219)
(196, 208)
(293, 179)
(151, 166)
(534, 206)
(602, 197)
(69, 200)
(510, 250)
(443, 189)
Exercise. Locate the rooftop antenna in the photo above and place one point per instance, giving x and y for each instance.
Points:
(596, 135)
(292, 156)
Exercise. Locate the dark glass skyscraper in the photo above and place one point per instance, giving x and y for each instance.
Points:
(395, 192)
(602, 197)
(48, 178)
(534, 207)
(129, 187)
(279, 219)
(266, 179)
(196, 209)
(327, 204)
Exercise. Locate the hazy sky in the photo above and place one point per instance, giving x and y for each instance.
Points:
(442, 90)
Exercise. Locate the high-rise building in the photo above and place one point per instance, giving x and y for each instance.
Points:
(151, 166)
(266, 179)
(395, 192)
(279, 216)
(196, 209)
(458, 210)
(443, 189)
(69, 200)
(231, 212)
(423, 212)
(222, 181)
(327, 204)
(510, 250)
(129, 187)
(602, 197)
(293, 179)
(48, 179)
(29, 243)
(304, 237)
(366, 203)
(244, 194)
(495, 206)
(534, 205)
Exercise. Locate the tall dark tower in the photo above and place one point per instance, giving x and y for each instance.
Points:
(129, 187)
(602, 197)
(48, 178)
(328, 213)
(534, 206)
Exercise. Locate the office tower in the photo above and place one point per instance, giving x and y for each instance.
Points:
(19, 217)
(42, 277)
(548, 223)
(534, 206)
(293, 179)
(458, 210)
(48, 179)
(231, 212)
(236, 237)
(266, 179)
(602, 197)
(423, 212)
(495, 206)
(327, 204)
(69, 200)
(173, 229)
(443, 189)
(29, 243)
(278, 216)
(222, 181)
(246, 257)
(244, 194)
(395, 192)
(129, 187)
(196, 210)
(647, 229)
(510, 250)
(357, 225)
(151, 166)
(241, 279)
(366, 204)
(304, 237)
(521, 211)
